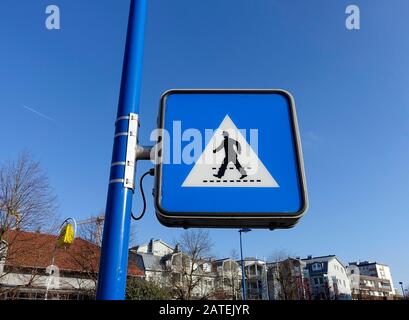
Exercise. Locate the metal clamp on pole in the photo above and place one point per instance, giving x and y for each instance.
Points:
(126, 176)
(129, 177)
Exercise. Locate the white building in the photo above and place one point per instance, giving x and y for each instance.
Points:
(228, 278)
(328, 278)
(156, 247)
(371, 279)
(288, 280)
(256, 279)
(170, 267)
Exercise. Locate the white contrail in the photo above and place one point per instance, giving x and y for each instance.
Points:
(42, 115)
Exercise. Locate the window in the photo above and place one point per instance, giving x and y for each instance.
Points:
(316, 266)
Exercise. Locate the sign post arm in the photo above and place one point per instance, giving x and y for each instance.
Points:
(114, 252)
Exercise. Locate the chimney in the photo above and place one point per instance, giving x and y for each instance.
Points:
(309, 257)
(177, 248)
(150, 246)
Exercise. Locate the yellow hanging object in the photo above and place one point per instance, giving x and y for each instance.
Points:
(66, 236)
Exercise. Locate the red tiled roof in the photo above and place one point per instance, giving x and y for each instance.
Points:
(35, 250)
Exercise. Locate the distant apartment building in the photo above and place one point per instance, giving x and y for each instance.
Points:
(256, 279)
(172, 268)
(228, 279)
(150, 257)
(288, 280)
(371, 280)
(312, 278)
(181, 272)
(328, 278)
(151, 265)
(155, 247)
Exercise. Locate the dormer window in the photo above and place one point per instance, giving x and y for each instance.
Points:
(317, 267)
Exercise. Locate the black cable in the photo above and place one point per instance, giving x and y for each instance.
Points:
(150, 172)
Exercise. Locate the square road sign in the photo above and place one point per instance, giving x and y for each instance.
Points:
(229, 158)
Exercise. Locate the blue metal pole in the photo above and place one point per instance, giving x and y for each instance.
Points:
(114, 252)
(243, 276)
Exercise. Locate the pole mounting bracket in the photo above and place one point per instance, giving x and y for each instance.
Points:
(144, 152)
(132, 141)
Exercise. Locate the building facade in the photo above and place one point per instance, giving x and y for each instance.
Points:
(169, 267)
(228, 279)
(328, 278)
(256, 279)
(371, 280)
(155, 247)
(288, 280)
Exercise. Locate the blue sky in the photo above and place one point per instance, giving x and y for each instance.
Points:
(350, 89)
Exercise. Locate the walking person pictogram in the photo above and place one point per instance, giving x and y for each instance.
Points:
(230, 155)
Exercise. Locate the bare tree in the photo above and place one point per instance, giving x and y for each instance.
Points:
(234, 254)
(187, 265)
(27, 203)
(232, 279)
(91, 229)
(282, 281)
(231, 276)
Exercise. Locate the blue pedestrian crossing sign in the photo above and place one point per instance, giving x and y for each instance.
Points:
(229, 158)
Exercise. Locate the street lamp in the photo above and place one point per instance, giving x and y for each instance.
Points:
(243, 277)
(66, 236)
(403, 291)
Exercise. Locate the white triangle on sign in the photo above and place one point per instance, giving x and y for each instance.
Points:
(244, 169)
